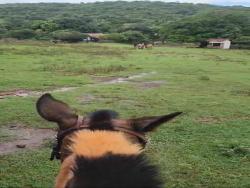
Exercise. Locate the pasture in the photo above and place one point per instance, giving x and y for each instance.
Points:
(208, 146)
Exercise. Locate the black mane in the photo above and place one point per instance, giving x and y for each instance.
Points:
(115, 171)
(101, 119)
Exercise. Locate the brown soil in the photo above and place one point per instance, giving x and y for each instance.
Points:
(152, 84)
(28, 93)
(28, 138)
(216, 120)
(115, 80)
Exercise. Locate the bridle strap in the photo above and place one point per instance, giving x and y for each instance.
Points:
(141, 137)
(62, 134)
(80, 125)
(79, 121)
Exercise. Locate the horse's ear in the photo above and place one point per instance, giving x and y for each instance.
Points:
(146, 124)
(56, 111)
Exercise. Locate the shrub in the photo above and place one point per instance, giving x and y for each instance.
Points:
(22, 34)
(68, 36)
(204, 78)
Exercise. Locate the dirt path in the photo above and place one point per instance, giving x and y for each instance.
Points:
(29, 93)
(101, 80)
(25, 138)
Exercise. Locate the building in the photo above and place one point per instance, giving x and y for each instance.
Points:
(219, 43)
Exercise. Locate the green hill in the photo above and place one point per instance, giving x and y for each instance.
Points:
(155, 20)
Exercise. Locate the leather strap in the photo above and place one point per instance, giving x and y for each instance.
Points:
(80, 125)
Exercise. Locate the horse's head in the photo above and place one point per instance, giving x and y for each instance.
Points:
(68, 121)
(100, 143)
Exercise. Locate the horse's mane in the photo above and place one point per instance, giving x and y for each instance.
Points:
(115, 171)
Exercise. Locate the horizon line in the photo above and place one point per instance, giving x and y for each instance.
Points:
(102, 1)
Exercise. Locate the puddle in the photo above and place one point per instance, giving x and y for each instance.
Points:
(127, 79)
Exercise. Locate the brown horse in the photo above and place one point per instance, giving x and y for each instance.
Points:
(100, 150)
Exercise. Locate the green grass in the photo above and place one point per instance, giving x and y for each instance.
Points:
(206, 147)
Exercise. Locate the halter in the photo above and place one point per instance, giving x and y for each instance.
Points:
(80, 125)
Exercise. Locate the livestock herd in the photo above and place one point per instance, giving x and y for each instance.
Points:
(142, 46)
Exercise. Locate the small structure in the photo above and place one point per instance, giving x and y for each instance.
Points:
(219, 43)
(94, 37)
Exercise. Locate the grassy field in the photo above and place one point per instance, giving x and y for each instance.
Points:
(208, 146)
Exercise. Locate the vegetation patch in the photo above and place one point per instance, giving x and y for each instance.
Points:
(71, 68)
(241, 93)
(204, 78)
(150, 84)
(103, 70)
(236, 151)
(87, 99)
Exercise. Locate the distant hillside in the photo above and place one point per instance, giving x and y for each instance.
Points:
(154, 20)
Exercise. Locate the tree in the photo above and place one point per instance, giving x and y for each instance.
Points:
(47, 26)
(22, 34)
(134, 37)
(215, 24)
(179, 22)
(128, 37)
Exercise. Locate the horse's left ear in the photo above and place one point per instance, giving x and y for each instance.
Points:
(146, 124)
(56, 111)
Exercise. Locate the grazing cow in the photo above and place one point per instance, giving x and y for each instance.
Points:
(100, 150)
(139, 46)
(149, 46)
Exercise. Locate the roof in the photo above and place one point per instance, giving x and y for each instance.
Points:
(217, 40)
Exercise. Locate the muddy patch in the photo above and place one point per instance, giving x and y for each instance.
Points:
(208, 120)
(88, 98)
(217, 120)
(151, 84)
(24, 138)
(115, 80)
(100, 80)
(30, 93)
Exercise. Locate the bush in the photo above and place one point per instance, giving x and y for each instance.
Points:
(116, 37)
(22, 34)
(242, 42)
(203, 44)
(68, 36)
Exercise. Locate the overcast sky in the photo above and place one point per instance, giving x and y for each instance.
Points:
(216, 2)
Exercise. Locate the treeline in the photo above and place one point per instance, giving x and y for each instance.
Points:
(125, 21)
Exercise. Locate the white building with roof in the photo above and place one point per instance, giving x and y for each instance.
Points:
(219, 43)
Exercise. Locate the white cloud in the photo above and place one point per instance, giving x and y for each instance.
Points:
(217, 2)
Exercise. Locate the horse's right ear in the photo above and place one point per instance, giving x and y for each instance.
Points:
(56, 111)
